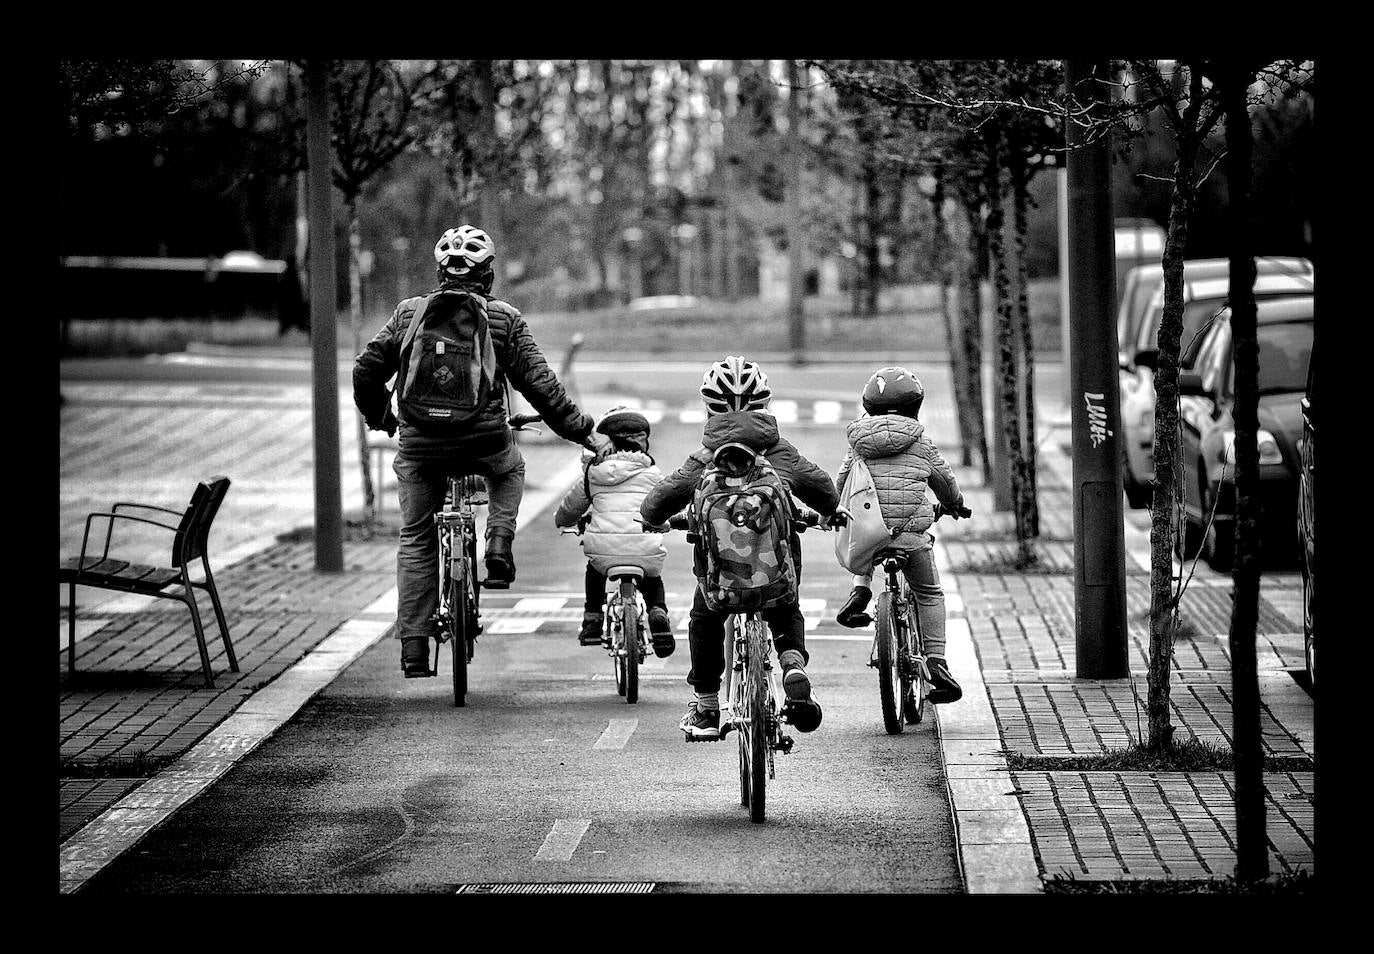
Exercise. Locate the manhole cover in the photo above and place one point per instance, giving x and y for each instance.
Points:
(564, 887)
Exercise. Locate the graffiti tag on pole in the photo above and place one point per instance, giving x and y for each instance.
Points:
(1097, 417)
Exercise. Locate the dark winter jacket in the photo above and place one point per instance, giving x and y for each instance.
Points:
(518, 360)
(757, 430)
(903, 462)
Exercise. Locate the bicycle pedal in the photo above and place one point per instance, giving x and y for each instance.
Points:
(416, 674)
(688, 737)
(496, 584)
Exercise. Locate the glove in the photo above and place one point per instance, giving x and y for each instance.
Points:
(599, 444)
(838, 519)
(388, 423)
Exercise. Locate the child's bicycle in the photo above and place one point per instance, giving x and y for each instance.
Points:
(625, 622)
(898, 646)
(458, 618)
(751, 707)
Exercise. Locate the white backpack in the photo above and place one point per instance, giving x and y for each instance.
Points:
(859, 540)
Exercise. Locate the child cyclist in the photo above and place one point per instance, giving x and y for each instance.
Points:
(737, 394)
(605, 503)
(904, 462)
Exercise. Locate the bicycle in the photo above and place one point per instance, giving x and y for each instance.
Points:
(898, 651)
(751, 706)
(458, 617)
(623, 612)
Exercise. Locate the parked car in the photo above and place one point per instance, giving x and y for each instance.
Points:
(1307, 546)
(1202, 299)
(1207, 399)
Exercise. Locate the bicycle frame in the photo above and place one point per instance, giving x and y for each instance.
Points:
(456, 525)
(627, 651)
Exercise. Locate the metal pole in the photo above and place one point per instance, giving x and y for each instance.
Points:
(324, 327)
(1061, 176)
(1098, 528)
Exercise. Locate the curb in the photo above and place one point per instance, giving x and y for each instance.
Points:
(134, 816)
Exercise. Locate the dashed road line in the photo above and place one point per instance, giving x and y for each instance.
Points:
(616, 734)
(563, 839)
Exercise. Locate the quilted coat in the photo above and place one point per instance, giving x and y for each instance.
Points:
(519, 361)
(903, 462)
(613, 535)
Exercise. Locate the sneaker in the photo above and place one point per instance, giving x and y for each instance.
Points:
(802, 711)
(700, 723)
(852, 613)
(415, 657)
(500, 562)
(661, 629)
(943, 687)
(590, 634)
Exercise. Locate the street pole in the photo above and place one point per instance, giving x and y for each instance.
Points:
(324, 325)
(796, 236)
(1061, 176)
(1099, 555)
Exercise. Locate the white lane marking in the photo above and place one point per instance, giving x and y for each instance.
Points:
(692, 415)
(511, 627)
(617, 733)
(828, 412)
(539, 604)
(784, 411)
(563, 839)
(811, 605)
(84, 628)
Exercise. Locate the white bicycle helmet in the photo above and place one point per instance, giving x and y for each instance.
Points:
(735, 384)
(464, 249)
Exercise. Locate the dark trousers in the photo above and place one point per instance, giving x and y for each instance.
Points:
(706, 639)
(650, 586)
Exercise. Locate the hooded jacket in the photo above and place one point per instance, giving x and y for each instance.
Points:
(518, 360)
(903, 462)
(757, 430)
(613, 535)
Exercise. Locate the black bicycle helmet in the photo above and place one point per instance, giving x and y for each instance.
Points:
(893, 391)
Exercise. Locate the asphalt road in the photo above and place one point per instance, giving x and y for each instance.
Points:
(381, 785)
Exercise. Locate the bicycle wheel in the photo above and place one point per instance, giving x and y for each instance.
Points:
(889, 665)
(914, 685)
(629, 628)
(737, 709)
(756, 692)
(458, 638)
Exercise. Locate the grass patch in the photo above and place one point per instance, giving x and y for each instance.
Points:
(1189, 755)
(137, 765)
(1299, 882)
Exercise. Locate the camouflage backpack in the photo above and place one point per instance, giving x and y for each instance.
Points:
(744, 518)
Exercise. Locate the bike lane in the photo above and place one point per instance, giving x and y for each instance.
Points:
(378, 784)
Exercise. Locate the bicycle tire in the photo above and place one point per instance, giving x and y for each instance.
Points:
(458, 638)
(629, 626)
(756, 691)
(736, 686)
(914, 688)
(889, 668)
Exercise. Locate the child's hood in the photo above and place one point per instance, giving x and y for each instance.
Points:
(755, 429)
(883, 435)
(618, 468)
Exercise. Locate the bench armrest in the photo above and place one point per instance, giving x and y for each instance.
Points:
(126, 503)
(109, 528)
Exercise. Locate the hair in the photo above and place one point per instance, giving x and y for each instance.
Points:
(631, 441)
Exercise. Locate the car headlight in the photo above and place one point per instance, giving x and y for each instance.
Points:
(1268, 448)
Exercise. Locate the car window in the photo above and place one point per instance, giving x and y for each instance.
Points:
(1285, 351)
(1213, 358)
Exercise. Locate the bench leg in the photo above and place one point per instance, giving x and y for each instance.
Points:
(71, 628)
(200, 630)
(219, 616)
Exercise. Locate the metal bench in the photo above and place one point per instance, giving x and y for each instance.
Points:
(191, 535)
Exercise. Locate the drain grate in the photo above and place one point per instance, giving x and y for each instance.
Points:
(561, 887)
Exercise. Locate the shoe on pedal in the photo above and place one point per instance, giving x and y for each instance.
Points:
(852, 613)
(943, 687)
(801, 709)
(500, 562)
(415, 657)
(700, 723)
(661, 631)
(591, 631)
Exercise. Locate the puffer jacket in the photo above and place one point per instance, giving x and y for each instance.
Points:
(757, 430)
(613, 536)
(903, 462)
(518, 360)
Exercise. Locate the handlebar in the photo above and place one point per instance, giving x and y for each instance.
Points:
(958, 514)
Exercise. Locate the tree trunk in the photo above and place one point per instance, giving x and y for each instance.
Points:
(796, 236)
(873, 210)
(954, 346)
(1025, 343)
(489, 198)
(1252, 853)
(971, 319)
(1166, 521)
(355, 315)
(1006, 352)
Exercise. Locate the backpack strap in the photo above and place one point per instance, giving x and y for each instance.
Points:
(411, 330)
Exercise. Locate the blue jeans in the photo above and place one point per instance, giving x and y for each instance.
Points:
(924, 580)
(421, 485)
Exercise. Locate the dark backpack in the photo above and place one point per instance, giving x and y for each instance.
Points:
(448, 362)
(745, 550)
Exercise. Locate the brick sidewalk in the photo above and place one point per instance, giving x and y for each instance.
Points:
(1104, 826)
